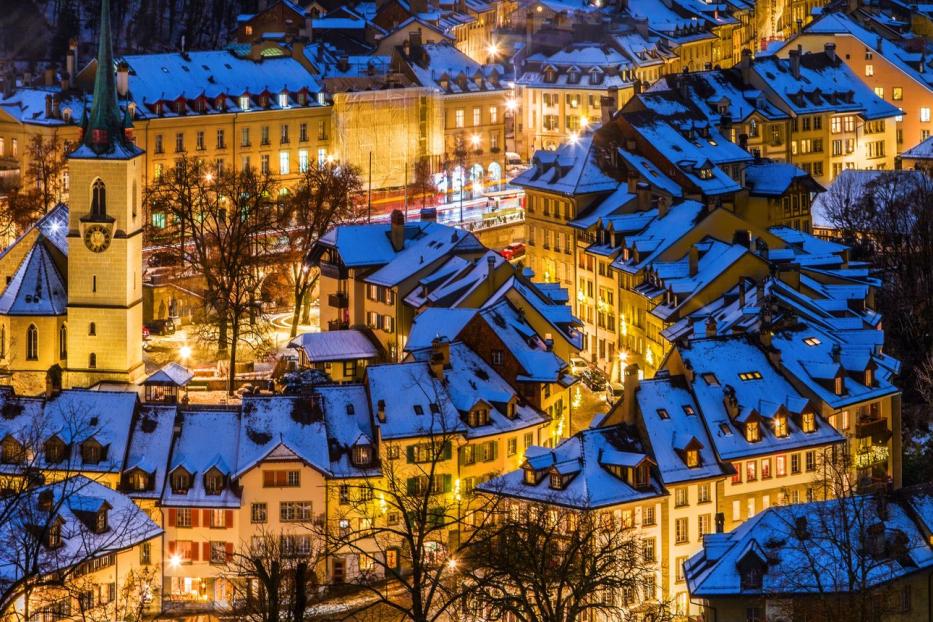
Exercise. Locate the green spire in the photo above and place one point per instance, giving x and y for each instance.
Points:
(105, 125)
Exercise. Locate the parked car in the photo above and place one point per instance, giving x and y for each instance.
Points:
(594, 379)
(161, 327)
(577, 365)
(513, 251)
(613, 392)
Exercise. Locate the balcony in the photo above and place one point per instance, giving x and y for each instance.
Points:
(876, 428)
(338, 325)
(333, 271)
(338, 300)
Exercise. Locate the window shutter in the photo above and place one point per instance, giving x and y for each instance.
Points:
(268, 479)
(194, 551)
(206, 519)
(448, 480)
(206, 551)
(172, 517)
(446, 451)
(194, 518)
(494, 453)
(171, 546)
(229, 549)
(410, 451)
(412, 485)
(228, 519)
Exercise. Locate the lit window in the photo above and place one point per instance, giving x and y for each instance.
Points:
(283, 100)
(284, 163)
(812, 341)
(780, 426)
(750, 375)
(879, 91)
(244, 102)
(711, 379)
(924, 115)
(808, 422)
(752, 432)
(869, 71)
(897, 93)
(663, 414)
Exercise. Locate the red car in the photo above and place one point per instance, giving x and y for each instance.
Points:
(513, 251)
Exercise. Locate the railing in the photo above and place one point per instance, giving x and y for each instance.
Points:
(337, 325)
(334, 271)
(876, 428)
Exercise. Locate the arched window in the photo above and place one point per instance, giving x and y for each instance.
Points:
(92, 361)
(92, 329)
(135, 192)
(32, 343)
(63, 342)
(98, 199)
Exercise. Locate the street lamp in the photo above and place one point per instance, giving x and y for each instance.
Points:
(184, 352)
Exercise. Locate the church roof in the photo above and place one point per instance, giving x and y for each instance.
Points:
(37, 287)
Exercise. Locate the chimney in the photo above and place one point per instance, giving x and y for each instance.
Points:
(710, 326)
(491, 273)
(629, 388)
(794, 56)
(123, 78)
(720, 522)
(662, 206)
(745, 65)
(741, 293)
(693, 260)
(609, 104)
(66, 82)
(49, 108)
(50, 76)
(381, 411)
(429, 214)
(71, 60)
(440, 357)
(643, 190)
(397, 230)
(743, 141)
(632, 183)
(830, 48)
(636, 86)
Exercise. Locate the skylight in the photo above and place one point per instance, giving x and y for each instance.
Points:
(688, 410)
(418, 409)
(750, 375)
(812, 341)
(663, 414)
(711, 379)
(725, 429)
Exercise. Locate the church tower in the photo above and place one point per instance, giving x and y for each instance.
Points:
(105, 237)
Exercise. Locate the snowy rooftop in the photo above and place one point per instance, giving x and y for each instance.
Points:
(725, 366)
(436, 322)
(442, 66)
(170, 374)
(774, 179)
(584, 459)
(659, 235)
(571, 169)
(818, 562)
(921, 151)
(335, 345)
(37, 287)
(150, 444)
(208, 440)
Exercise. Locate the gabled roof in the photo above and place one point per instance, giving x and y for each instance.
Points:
(37, 287)
(150, 444)
(592, 485)
(570, 170)
(335, 345)
(208, 437)
(773, 179)
(170, 374)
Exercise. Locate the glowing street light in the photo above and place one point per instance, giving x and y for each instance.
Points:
(584, 122)
(174, 561)
(511, 104)
(184, 352)
(474, 139)
(208, 177)
(451, 564)
(493, 50)
(573, 138)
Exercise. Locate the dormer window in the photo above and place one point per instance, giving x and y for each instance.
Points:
(100, 523)
(213, 482)
(283, 100)
(510, 410)
(54, 451)
(751, 578)
(53, 538)
(557, 481)
(808, 422)
(838, 388)
(180, 481)
(478, 417)
(138, 480)
(640, 474)
(752, 432)
(692, 458)
(362, 455)
(530, 477)
(91, 452)
(780, 426)
(869, 377)
(663, 414)
(11, 451)
(244, 102)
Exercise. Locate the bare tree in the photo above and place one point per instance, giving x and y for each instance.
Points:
(549, 563)
(422, 184)
(231, 229)
(326, 196)
(45, 169)
(274, 576)
(411, 528)
(836, 557)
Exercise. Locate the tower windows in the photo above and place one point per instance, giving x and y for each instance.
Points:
(135, 193)
(2, 342)
(98, 199)
(32, 343)
(92, 329)
(92, 361)
(63, 342)
(94, 283)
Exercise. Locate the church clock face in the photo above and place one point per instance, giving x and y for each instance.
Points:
(97, 238)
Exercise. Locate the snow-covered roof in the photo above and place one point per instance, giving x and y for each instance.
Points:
(673, 422)
(659, 235)
(570, 170)
(792, 563)
(348, 423)
(453, 283)
(539, 363)
(436, 322)
(773, 179)
(150, 444)
(443, 67)
(170, 374)
(579, 66)
(129, 526)
(208, 439)
(335, 345)
(921, 151)
(37, 287)
(725, 366)
(416, 403)
(286, 427)
(28, 105)
(824, 85)
(583, 458)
